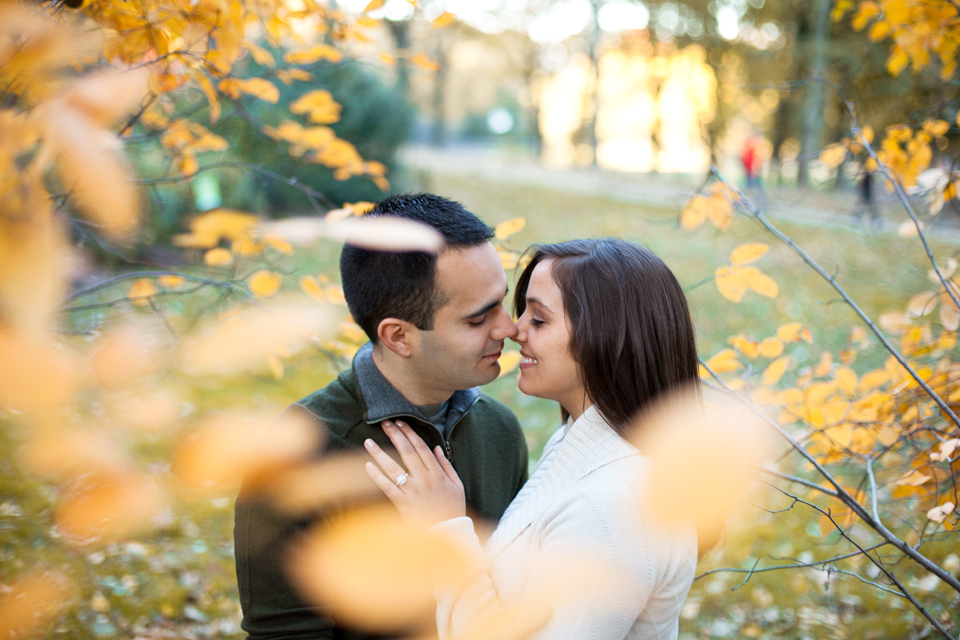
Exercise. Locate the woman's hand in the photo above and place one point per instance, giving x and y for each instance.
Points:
(430, 490)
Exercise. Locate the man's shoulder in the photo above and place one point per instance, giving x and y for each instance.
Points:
(339, 405)
(491, 409)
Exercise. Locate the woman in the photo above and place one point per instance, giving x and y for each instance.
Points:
(604, 329)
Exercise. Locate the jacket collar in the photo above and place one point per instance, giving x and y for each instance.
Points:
(588, 444)
(384, 401)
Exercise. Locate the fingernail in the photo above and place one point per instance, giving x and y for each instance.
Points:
(368, 443)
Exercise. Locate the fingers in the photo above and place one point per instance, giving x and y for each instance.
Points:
(426, 456)
(401, 440)
(447, 467)
(389, 466)
(391, 490)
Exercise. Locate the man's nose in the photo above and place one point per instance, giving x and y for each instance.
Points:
(504, 328)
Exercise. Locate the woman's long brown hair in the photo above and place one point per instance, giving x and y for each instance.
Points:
(631, 332)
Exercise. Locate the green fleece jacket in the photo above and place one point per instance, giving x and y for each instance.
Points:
(484, 442)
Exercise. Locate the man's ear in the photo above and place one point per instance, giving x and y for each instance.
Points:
(399, 336)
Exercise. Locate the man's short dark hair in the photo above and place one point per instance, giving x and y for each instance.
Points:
(387, 284)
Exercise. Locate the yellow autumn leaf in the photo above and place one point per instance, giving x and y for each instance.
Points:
(373, 5)
(218, 257)
(445, 19)
(260, 55)
(775, 370)
(771, 348)
(732, 282)
(936, 128)
(213, 99)
(694, 213)
(789, 332)
(313, 54)
(388, 59)
(762, 283)
(746, 346)
(278, 244)
(261, 89)
(276, 366)
(207, 229)
(321, 106)
(724, 361)
(264, 283)
(833, 155)
(922, 304)
(310, 286)
(909, 229)
(847, 379)
(141, 291)
(719, 209)
(873, 380)
(287, 76)
(171, 282)
(939, 514)
(824, 366)
(747, 253)
(421, 60)
(508, 361)
(506, 229)
(895, 322)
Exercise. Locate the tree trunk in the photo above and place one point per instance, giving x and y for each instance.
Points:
(811, 114)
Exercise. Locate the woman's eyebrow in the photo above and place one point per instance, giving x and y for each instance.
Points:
(537, 302)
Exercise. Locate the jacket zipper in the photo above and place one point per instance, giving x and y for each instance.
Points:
(447, 449)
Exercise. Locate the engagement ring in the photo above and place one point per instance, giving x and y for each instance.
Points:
(401, 479)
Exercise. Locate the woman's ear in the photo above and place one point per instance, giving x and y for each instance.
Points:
(399, 336)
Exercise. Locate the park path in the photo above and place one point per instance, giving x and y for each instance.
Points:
(822, 206)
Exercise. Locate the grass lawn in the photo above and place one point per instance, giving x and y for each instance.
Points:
(180, 582)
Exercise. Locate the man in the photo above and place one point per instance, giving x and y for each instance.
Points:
(436, 325)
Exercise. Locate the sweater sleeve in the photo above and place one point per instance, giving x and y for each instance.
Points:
(590, 561)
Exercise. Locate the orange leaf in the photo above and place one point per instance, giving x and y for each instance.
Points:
(31, 602)
(112, 505)
(94, 172)
(228, 448)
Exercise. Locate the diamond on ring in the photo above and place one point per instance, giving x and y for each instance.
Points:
(402, 479)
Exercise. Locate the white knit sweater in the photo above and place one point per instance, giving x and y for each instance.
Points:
(579, 540)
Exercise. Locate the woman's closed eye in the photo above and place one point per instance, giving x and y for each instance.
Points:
(536, 322)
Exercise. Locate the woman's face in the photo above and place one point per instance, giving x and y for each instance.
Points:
(548, 370)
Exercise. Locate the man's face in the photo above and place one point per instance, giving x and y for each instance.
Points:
(462, 349)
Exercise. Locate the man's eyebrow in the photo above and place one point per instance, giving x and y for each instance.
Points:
(488, 307)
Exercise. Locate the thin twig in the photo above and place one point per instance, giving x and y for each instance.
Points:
(758, 215)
